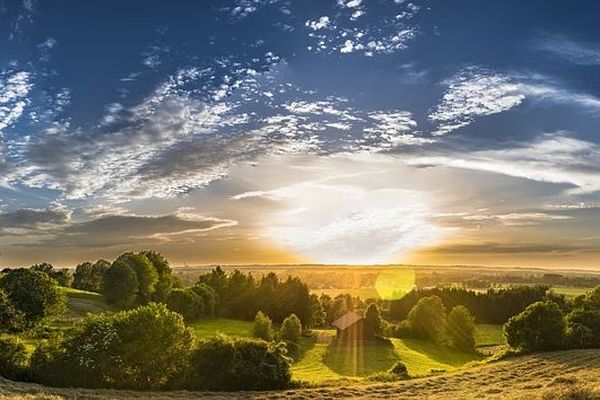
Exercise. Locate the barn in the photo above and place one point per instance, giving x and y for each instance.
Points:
(349, 327)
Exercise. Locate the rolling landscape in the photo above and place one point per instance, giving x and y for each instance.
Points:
(299, 199)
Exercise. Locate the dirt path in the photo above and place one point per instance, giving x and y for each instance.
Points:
(545, 375)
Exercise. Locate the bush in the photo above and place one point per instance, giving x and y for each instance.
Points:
(460, 329)
(291, 329)
(540, 327)
(145, 348)
(400, 330)
(263, 327)
(428, 319)
(11, 319)
(13, 358)
(224, 363)
(187, 303)
(583, 328)
(34, 294)
(399, 369)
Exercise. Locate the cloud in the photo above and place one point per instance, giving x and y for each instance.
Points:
(14, 88)
(508, 248)
(579, 53)
(31, 221)
(554, 158)
(321, 23)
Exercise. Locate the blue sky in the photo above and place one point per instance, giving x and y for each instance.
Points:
(301, 131)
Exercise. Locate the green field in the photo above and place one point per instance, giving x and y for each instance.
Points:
(489, 335)
(570, 291)
(210, 327)
(80, 303)
(322, 360)
(363, 293)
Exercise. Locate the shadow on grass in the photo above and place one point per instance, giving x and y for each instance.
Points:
(441, 354)
(359, 358)
(306, 344)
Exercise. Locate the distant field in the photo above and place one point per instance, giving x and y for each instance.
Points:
(563, 375)
(363, 293)
(489, 335)
(210, 327)
(570, 291)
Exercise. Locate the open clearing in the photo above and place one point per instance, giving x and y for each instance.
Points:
(540, 376)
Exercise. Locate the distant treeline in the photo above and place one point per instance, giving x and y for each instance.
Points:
(495, 306)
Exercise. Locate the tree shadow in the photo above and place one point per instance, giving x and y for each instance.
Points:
(359, 358)
(441, 354)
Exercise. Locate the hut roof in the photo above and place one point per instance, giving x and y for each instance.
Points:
(346, 320)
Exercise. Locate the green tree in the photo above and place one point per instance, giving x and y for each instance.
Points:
(13, 358)
(11, 319)
(461, 329)
(120, 285)
(62, 276)
(583, 328)
(317, 312)
(146, 348)
(263, 327)
(540, 327)
(165, 281)
(428, 319)
(146, 274)
(209, 297)
(90, 276)
(34, 294)
(373, 324)
(224, 363)
(291, 329)
(187, 303)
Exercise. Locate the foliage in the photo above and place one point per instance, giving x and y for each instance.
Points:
(187, 303)
(165, 281)
(62, 276)
(146, 274)
(224, 363)
(291, 329)
(583, 328)
(208, 296)
(399, 369)
(13, 358)
(33, 293)
(90, 276)
(145, 348)
(263, 327)
(373, 325)
(11, 319)
(317, 312)
(495, 306)
(428, 319)
(460, 329)
(541, 326)
(120, 284)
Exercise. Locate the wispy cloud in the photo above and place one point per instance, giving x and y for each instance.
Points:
(580, 53)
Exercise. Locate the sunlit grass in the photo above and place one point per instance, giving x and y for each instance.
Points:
(209, 327)
(489, 335)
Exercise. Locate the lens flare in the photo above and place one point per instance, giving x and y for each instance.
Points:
(395, 284)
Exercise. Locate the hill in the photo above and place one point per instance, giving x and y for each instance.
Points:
(558, 375)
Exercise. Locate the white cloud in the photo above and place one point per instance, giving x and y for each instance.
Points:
(580, 53)
(14, 88)
(321, 23)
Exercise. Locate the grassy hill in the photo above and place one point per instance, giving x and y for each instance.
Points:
(559, 375)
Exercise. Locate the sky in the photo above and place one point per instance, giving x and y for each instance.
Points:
(308, 131)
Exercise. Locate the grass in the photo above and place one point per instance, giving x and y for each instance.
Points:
(322, 359)
(80, 303)
(210, 327)
(489, 335)
(570, 291)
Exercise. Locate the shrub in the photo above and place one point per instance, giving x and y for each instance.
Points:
(540, 327)
(187, 303)
(399, 369)
(145, 348)
(34, 294)
(263, 327)
(11, 319)
(13, 358)
(291, 329)
(400, 330)
(460, 329)
(428, 319)
(583, 328)
(224, 363)
(373, 324)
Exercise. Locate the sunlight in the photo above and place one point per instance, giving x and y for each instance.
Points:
(350, 224)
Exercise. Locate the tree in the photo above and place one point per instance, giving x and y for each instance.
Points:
(316, 311)
(34, 294)
(146, 348)
(209, 297)
(165, 282)
(428, 319)
(11, 319)
(291, 329)
(90, 276)
(224, 363)
(263, 327)
(120, 284)
(373, 324)
(62, 276)
(461, 329)
(541, 326)
(13, 358)
(187, 303)
(583, 328)
(146, 274)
